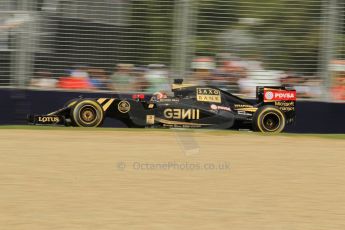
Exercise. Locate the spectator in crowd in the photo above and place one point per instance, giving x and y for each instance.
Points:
(80, 71)
(301, 87)
(157, 78)
(203, 71)
(122, 78)
(99, 79)
(228, 74)
(313, 87)
(233, 74)
(338, 90)
(256, 75)
(299, 83)
(246, 86)
(289, 80)
(140, 82)
(305, 86)
(43, 79)
(78, 79)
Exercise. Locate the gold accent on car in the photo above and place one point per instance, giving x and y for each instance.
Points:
(191, 114)
(179, 86)
(106, 105)
(253, 109)
(101, 100)
(124, 106)
(164, 121)
(150, 119)
(208, 95)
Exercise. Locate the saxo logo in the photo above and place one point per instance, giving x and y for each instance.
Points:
(208, 94)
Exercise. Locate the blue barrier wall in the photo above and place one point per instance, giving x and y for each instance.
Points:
(312, 117)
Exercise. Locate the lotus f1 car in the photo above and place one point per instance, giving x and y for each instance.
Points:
(189, 107)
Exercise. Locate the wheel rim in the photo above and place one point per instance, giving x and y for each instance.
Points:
(271, 122)
(88, 114)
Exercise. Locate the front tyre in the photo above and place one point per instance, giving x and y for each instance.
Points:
(87, 113)
(269, 119)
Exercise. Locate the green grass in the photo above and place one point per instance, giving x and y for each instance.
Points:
(211, 132)
(330, 136)
(41, 127)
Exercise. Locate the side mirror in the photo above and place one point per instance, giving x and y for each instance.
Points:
(138, 97)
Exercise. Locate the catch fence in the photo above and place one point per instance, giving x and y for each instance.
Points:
(142, 45)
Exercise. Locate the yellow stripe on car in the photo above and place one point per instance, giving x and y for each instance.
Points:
(106, 105)
(247, 109)
(101, 100)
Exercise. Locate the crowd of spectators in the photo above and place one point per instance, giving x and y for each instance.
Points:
(231, 74)
(125, 78)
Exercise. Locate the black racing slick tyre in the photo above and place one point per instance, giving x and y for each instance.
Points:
(70, 103)
(87, 113)
(269, 119)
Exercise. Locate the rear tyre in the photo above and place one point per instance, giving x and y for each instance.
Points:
(87, 113)
(268, 119)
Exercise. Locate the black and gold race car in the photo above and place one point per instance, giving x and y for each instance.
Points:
(188, 107)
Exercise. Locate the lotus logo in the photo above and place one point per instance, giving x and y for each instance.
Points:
(124, 106)
(47, 119)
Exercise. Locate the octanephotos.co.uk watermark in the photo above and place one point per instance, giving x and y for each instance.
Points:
(173, 165)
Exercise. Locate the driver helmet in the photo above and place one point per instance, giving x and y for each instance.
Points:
(160, 95)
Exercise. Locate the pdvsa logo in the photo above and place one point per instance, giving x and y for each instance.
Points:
(219, 107)
(284, 95)
(279, 95)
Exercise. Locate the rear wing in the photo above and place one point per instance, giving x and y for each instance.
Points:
(275, 93)
(282, 97)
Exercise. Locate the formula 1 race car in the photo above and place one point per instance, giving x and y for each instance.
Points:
(189, 107)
